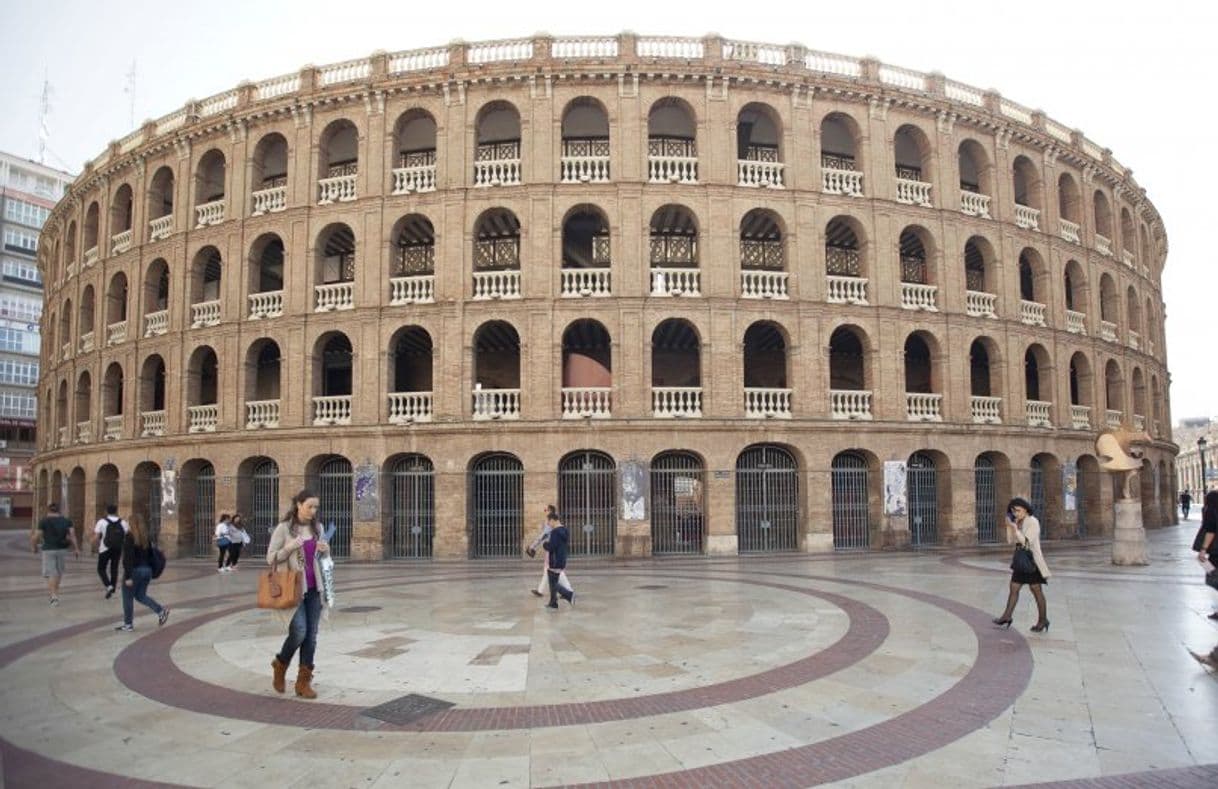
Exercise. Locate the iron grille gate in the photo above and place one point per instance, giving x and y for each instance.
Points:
(154, 507)
(205, 510)
(767, 500)
(412, 496)
(264, 506)
(851, 512)
(1038, 491)
(985, 505)
(334, 494)
(677, 482)
(923, 500)
(497, 507)
(587, 502)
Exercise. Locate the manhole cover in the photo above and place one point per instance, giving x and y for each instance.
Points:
(359, 609)
(407, 709)
(651, 587)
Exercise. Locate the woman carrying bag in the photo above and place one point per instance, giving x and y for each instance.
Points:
(223, 541)
(137, 574)
(238, 537)
(1027, 565)
(297, 542)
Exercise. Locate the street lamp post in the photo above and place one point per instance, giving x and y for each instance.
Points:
(1201, 442)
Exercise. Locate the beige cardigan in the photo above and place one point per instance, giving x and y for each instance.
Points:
(294, 559)
(1027, 534)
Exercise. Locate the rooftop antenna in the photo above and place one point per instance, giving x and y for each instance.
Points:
(130, 91)
(44, 111)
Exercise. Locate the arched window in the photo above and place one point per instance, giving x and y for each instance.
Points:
(841, 170)
(976, 179)
(845, 262)
(766, 393)
(1038, 386)
(262, 384)
(767, 500)
(334, 270)
(984, 375)
(122, 213)
(849, 374)
(674, 252)
(413, 261)
(498, 153)
(496, 502)
(914, 159)
(759, 160)
(265, 283)
(270, 176)
(332, 379)
(160, 204)
(672, 145)
(763, 259)
(497, 255)
(922, 403)
(678, 482)
(202, 390)
(415, 140)
(410, 371)
(338, 163)
(496, 371)
(205, 274)
(586, 258)
(585, 142)
(587, 370)
(676, 370)
(210, 182)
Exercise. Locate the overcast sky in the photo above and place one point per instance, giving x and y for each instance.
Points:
(1133, 80)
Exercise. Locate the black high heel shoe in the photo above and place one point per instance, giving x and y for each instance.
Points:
(1005, 623)
(1041, 627)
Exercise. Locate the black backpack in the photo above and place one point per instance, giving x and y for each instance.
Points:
(113, 538)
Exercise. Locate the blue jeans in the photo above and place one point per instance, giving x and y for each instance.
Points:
(302, 632)
(141, 576)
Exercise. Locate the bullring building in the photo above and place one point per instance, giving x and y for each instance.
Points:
(707, 296)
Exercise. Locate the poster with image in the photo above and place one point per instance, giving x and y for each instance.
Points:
(895, 495)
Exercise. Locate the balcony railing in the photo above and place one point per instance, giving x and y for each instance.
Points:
(496, 404)
(84, 432)
(846, 290)
(90, 256)
(587, 402)
(975, 204)
(676, 401)
(120, 242)
(842, 182)
(156, 323)
(161, 227)
(261, 413)
(663, 169)
(850, 404)
(497, 172)
(913, 192)
(420, 289)
(203, 418)
(1027, 217)
(923, 407)
(676, 282)
(205, 313)
(269, 201)
(334, 296)
(1113, 418)
(1139, 422)
(497, 284)
(1070, 231)
(1108, 331)
(1076, 322)
(116, 333)
(86, 342)
(584, 169)
(419, 178)
(759, 284)
(209, 213)
(65, 352)
(332, 410)
(339, 189)
(152, 423)
(268, 304)
(1080, 417)
(1135, 340)
(1038, 413)
(759, 174)
(979, 304)
(1103, 245)
(64, 436)
(407, 407)
(1032, 313)
(986, 410)
(581, 282)
(918, 297)
(767, 403)
(112, 427)
(1127, 259)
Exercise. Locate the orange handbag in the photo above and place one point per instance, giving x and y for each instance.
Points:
(279, 589)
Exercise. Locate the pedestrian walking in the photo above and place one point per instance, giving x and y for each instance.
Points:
(238, 538)
(54, 535)
(222, 542)
(537, 544)
(556, 546)
(1186, 503)
(1208, 549)
(297, 540)
(137, 574)
(1029, 568)
(108, 534)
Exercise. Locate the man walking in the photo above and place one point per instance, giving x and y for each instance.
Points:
(556, 544)
(55, 534)
(108, 536)
(1186, 503)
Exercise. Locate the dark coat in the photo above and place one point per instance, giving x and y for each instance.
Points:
(557, 546)
(134, 556)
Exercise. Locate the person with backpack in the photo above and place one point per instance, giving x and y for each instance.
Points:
(139, 556)
(108, 534)
(223, 542)
(57, 536)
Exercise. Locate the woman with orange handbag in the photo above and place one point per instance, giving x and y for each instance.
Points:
(1028, 565)
(298, 541)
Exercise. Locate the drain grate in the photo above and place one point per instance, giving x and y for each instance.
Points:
(359, 609)
(651, 587)
(407, 709)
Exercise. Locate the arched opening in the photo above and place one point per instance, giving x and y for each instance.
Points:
(116, 309)
(976, 179)
(262, 384)
(921, 401)
(767, 500)
(335, 255)
(674, 252)
(985, 403)
(160, 203)
(1070, 206)
(497, 154)
(676, 369)
(1082, 385)
(146, 497)
(678, 482)
(414, 248)
(1045, 491)
(758, 146)
(672, 147)
(197, 513)
(855, 495)
(1038, 387)
(1090, 507)
(763, 260)
(841, 169)
(979, 276)
(65, 329)
(1027, 183)
(410, 371)
(845, 263)
(586, 255)
(991, 485)
(258, 500)
(1139, 399)
(766, 393)
(85, 326)
(338, 154)
(1103, 222)
(587, 370)
(1031, 270)
(1133, 317)
(210, 180)
(914, 158)
(112, 402)
(928, 480)
(1110, 307)
(917, 273)
(152, 396)
(82, 408)
(105, 489)
(205, 274)
(585, 142)
(156, 298)
(202, 390)
(849, 374)
(91, 230)
(1114, 393)
(587, 500)
(1129, 239)
(496, 371)
(497, 255)
(410, 505)
(266, 268)
(496, 502)
(122, 213)
(69, 248)
(269, 177)
(414, 137)
(1074, 283)
(332, 379)
(329, 476)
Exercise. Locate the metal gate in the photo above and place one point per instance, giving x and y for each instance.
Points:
(412, 498)
(985, 504)
(496, 506)
(205, 510)
(767, 500)
(851, 510)
(923, 500)
(334, 494)
(677, 482)
(147, 494)
(1038, 490)
(587, 502)
(264, 506)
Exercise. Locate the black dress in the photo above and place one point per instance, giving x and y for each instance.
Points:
(1033, 577)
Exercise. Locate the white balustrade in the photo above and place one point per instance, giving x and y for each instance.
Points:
(850, 404)
(1139, 422)
(214, 105)
(672, 169)
(116, 333)
(205, 313)
(63, 436)
(161, 227)
(65, 352)
(1070, 231)
(676, 282)
(1027, 217)
(975, 204)
(418, 60)
(497, 284)
(1150, 346)
(203, 418)
(268, 201)
(339, 189)
(986, 410)
(261, 413)
(918, 297)
(209, 213)
(407, 407)
(421, 178)
(347, 71)
(582, 282)
(676, 401)
(334, 296)
(913, 192)
(1113, 418)
(120, 242)
(670, 47)
(497, 172)
(584, 169)
(923, 407)
(1103, 245)
(112, 427)
(419, 289)
(86, 342)
(1108, 331)
(1038, 413)
(767, 403)
(152, 423)
(758, 284)
(1032, 313)
(759, 174)
(584, 47)
(1080, 417)
(1127, 259)
(586, 402)
(84, 432)
(277, 86)
(332, 410)
(90, 256)
(979, 304)
(846, 290)
(1076, 322)
(1135, 340)
(268, 304)
(748, 52)
(156, 323)
(499, 51)
(496, 404)
(842, 182)
(831, 63)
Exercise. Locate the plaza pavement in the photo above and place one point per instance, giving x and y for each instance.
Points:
(871, 670)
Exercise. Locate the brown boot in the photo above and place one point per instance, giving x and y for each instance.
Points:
(279, 675)
(304, 675)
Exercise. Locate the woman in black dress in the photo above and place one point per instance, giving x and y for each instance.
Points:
(1025, 529)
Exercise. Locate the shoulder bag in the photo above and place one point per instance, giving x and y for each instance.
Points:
(279, 588)
(1022, 561)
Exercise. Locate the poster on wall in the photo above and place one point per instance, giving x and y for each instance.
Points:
(633, 477)
(169, 492)
(367, 494)
(894, 487)
(1070, 486)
